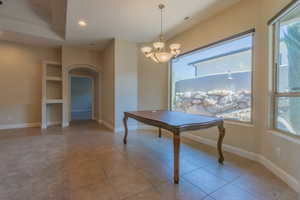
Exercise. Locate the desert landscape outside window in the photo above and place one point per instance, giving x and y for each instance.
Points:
(216, 80)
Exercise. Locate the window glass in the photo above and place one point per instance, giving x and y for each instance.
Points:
(287, 79)
(215, 81)
(289, 56)
(286, 119)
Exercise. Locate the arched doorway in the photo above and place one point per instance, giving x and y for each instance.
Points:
(89, 75)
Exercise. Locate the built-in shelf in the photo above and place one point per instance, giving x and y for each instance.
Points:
(53, 101)
(53, 78)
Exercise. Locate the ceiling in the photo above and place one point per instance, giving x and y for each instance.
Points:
(55, 22)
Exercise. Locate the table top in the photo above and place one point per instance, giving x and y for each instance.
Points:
(176, 119)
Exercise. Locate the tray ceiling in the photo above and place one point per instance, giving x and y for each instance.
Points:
(55, 22)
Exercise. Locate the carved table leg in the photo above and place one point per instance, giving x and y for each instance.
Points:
(176, 142)
(159, 132)
(220, 142)
(126, 129)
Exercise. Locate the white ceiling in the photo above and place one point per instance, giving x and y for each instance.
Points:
(55, 22)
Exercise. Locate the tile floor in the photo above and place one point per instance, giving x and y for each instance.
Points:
(88, 162)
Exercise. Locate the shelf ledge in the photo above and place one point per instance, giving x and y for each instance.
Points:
(53, 101)
(53, 78)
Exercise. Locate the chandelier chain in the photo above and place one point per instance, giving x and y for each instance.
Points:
(161, 21)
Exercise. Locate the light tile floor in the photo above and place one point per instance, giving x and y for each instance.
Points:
(88, 162)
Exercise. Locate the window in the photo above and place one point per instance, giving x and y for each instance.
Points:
(215, 80)
(286, 88)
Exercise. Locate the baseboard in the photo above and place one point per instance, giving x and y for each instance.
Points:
(54, 123)
(130, 128)
(283, 175)
(119, 129)
(81, 110)
(147, 127)
(17, 126)
(106, 124)
(226, 147)
(65, 124)
(27, 125)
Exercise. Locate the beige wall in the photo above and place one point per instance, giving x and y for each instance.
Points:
(78, 57)
(126, 80)
(153, 83)
(119, 82)
(75, 55)
(21, 82)
(108, 83)
(256, 138)
(22, 65)
(290, 150)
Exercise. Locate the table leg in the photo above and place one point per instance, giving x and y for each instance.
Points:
(159, 132)
(220, 142)
(176, 143)
(126, 129)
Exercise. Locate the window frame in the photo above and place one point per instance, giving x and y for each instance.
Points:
(249, 32)
(274, 24)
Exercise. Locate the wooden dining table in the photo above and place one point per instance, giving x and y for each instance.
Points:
(176, 123)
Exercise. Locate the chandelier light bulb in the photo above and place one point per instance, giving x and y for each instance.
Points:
(163, 57)
(175, 46)
(146, 50)
(158, 45)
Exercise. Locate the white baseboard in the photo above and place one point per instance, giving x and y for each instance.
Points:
(81, 110)
(26, 125)
(283, 175)
(54, 123)
(226, 147)
(118, 129)
(65, 124)
(16, 126)
(130, 128)
(147, 127)
(107, 125)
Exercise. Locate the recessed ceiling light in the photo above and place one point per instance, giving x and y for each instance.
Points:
(82, 23)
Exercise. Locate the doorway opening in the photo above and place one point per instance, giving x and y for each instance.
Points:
(82, 93)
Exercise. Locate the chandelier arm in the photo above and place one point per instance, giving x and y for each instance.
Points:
(154, 54)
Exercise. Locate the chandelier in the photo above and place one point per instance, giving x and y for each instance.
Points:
(158, 53)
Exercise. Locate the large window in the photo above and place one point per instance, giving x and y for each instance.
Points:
(286, 89)
(215, 80)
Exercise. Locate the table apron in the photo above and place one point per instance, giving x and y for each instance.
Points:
(174, 129)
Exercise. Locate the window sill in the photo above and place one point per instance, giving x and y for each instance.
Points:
(291, 138)
(237, 123)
